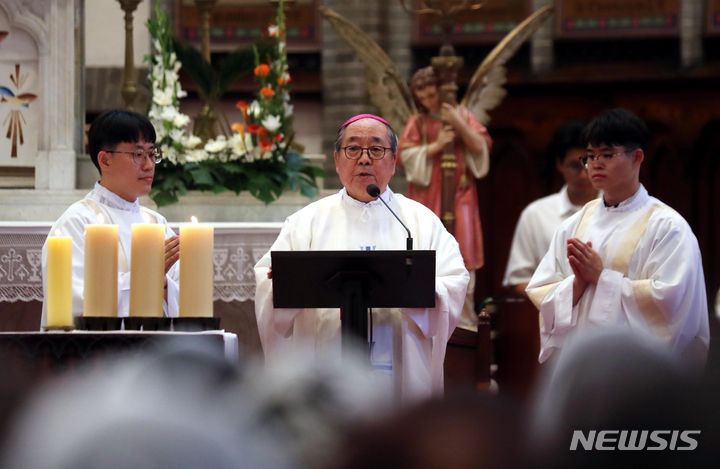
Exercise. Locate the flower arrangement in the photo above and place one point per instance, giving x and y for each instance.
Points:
(257, 156)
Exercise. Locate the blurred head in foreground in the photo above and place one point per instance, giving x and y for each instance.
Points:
(614, 380)
(185, 406)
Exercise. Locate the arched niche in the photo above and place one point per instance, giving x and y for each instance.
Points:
(41, 39)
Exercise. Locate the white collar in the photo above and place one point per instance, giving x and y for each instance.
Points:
(106, 197)
(353, 202)
(633, 202)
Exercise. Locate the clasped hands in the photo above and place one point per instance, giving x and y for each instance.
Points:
(585, 263)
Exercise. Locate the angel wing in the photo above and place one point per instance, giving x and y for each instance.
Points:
(387, 88)
(485, 90)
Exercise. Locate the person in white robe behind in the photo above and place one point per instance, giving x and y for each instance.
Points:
(122, 148)
(539, 220)
(625, 259)
(409, 344)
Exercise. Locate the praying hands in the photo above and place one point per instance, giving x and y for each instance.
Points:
(586, 265)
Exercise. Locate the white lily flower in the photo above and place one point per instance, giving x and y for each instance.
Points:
(272, 123)
(216, 146)
(237, 143)
(181, 120)
(254, 109)
(193, 141)
(163, 98)
(168, 113)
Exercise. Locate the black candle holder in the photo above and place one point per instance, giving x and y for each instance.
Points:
(98, 323)
(195, 324)
(141, 323)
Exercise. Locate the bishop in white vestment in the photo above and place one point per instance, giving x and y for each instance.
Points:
(409, 344)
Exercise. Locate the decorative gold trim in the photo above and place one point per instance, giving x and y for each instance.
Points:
(621, 261)
(650, 310)
(588, 211)
(538, 294)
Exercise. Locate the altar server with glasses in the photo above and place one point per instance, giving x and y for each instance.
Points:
(626, 259)
(122, 147)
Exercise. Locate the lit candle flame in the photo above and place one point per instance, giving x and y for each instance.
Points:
(193, 219)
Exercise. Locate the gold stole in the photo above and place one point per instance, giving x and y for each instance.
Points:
(538, 294)
(620, 262)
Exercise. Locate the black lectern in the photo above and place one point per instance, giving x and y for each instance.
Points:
(353, 281)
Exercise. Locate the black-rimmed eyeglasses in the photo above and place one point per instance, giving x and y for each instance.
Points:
(605, 156)
(140, 155)
(354, 152)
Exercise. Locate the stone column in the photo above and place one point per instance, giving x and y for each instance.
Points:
(541, 43)
(398, 24)
(691, 28)
(59, 120)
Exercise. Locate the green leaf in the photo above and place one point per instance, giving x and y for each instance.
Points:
(162, 198)
(237, 64)
(199, 70)
(202, 176)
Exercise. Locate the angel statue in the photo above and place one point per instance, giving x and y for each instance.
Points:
(444, 146)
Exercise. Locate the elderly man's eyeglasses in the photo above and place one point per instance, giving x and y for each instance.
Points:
(354, 152)
(139, 155)
(605, 156)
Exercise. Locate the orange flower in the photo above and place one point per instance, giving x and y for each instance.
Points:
(267, 92)
(238, 127)
(242, 105)
(262, 70)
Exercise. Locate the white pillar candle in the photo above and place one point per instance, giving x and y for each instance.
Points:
(196, 270)
(147, 270)
(101, 270)
(59, 282)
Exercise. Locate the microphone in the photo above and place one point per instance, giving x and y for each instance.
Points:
(374, 191)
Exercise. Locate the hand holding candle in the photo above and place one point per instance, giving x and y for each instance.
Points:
(172, 252)
(59, 282)
(196, 270)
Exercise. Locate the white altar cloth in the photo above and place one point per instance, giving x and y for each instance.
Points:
(238, 246)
